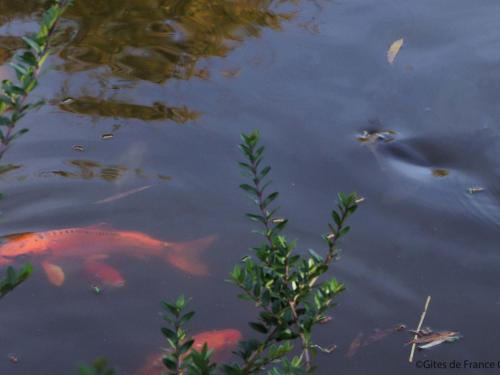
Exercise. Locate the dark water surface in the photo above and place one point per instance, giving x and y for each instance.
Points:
(176, 82)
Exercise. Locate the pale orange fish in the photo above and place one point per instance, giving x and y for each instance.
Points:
(94, 244)
(220, 341)
(377, 335)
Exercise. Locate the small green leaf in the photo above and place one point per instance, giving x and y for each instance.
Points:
(33, 44)
(259, 327)
(186, 346)
(249, 189)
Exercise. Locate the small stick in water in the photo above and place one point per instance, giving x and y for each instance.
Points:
(422, 317)
(122, 195)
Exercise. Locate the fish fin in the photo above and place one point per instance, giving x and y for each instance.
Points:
(5, 261)
(186, 255)
(153, 365)
(105, 273)
(54, 273)
(101, 226)
(17, 236)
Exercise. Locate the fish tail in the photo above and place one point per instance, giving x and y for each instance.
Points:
(186, 256)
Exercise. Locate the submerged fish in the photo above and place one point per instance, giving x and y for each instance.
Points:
(220, 341)
(94, 244)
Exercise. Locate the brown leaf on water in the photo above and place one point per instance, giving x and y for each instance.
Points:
(393, 50)
(475, 189)
(439, 172)
(384, 136)
(428, 340)
(122, 195)
(91, 106)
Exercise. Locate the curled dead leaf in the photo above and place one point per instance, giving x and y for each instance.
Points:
(393, 50)
(430, 339)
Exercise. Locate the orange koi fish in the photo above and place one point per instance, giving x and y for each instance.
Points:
(94, 244)
(220, 341)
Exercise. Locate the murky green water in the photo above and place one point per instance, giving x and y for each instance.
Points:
(155, 93)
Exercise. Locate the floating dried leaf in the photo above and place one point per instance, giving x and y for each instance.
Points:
(394, 50)
(475, 189)
(328, 350)
(325, 319)
(384, 136)
(440, 172)
(67, 101)
(164, 177)
(429, 340)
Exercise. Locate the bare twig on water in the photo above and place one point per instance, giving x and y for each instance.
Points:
(422, 317)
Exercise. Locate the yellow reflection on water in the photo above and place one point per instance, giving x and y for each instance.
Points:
(156, 40)
(149, 40)
(88, 105)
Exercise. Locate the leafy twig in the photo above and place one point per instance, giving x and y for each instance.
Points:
(284, 285)
(13, 278)
(27, 66)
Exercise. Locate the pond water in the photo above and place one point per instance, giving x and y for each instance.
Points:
(171, 85)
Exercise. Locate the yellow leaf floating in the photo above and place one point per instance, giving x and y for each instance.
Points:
(394, 50)
(54, 273)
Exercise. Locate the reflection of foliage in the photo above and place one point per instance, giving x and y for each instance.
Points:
(109, 108)
(152, 40)
(8, 46)
(27, 66)
(156, 40)
(13, 278)
(11, 9)
(88, 169)
(98, 367)
(8, 167)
